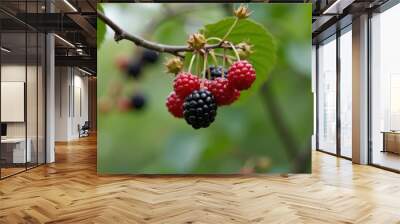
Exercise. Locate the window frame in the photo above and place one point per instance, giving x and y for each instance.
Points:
(339, 32)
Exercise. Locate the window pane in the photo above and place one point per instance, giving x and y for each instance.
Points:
(386, 89)
(346, 93)
(15, 150)
(31, 97)
(327, 96)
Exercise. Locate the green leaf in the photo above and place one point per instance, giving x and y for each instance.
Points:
(101, 28)
(264, 56)
(170, 32)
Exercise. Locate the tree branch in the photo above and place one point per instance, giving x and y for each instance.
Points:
(121, 34)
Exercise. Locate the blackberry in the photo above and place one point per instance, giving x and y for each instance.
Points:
(134, 69)
(149, 56)
(216, 72)
(200, 108)
(138, 101)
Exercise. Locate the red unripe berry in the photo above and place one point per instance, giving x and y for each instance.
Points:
(185, 83)
(222, 90)
(124, 104)
(122, 63)
(241, 75)
(105, 105)
(235, 96)
(175, 105)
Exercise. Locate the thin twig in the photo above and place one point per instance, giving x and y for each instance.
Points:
(121, 34)
(226, 56)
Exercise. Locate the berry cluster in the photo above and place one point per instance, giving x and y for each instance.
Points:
(194, 99)
(197, 99)
(133, 67)
(136, 101)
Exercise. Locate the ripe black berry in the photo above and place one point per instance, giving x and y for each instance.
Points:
(138, 101)
(134, 69)
(150, 56)
(216, 71)
(200, 108)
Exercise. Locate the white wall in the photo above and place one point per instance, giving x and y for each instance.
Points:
(71, 93)
(80, 100)
(33, 126)
(13, 101)
(12, 73)
(62, 81)
(16, 73)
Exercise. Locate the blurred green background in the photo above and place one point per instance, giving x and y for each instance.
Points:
(267, 132)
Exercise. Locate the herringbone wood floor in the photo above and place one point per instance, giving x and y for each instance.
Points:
(69, 191)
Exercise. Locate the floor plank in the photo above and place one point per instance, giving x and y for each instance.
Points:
(69, 191)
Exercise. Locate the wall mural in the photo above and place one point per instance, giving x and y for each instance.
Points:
(204, 88)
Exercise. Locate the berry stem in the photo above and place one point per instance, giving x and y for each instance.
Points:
(234, 49)
(198, 65)
(214, 38)
(230, 29)
(191, 63)
(224, 58)
(204, 69)
(214, 58)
